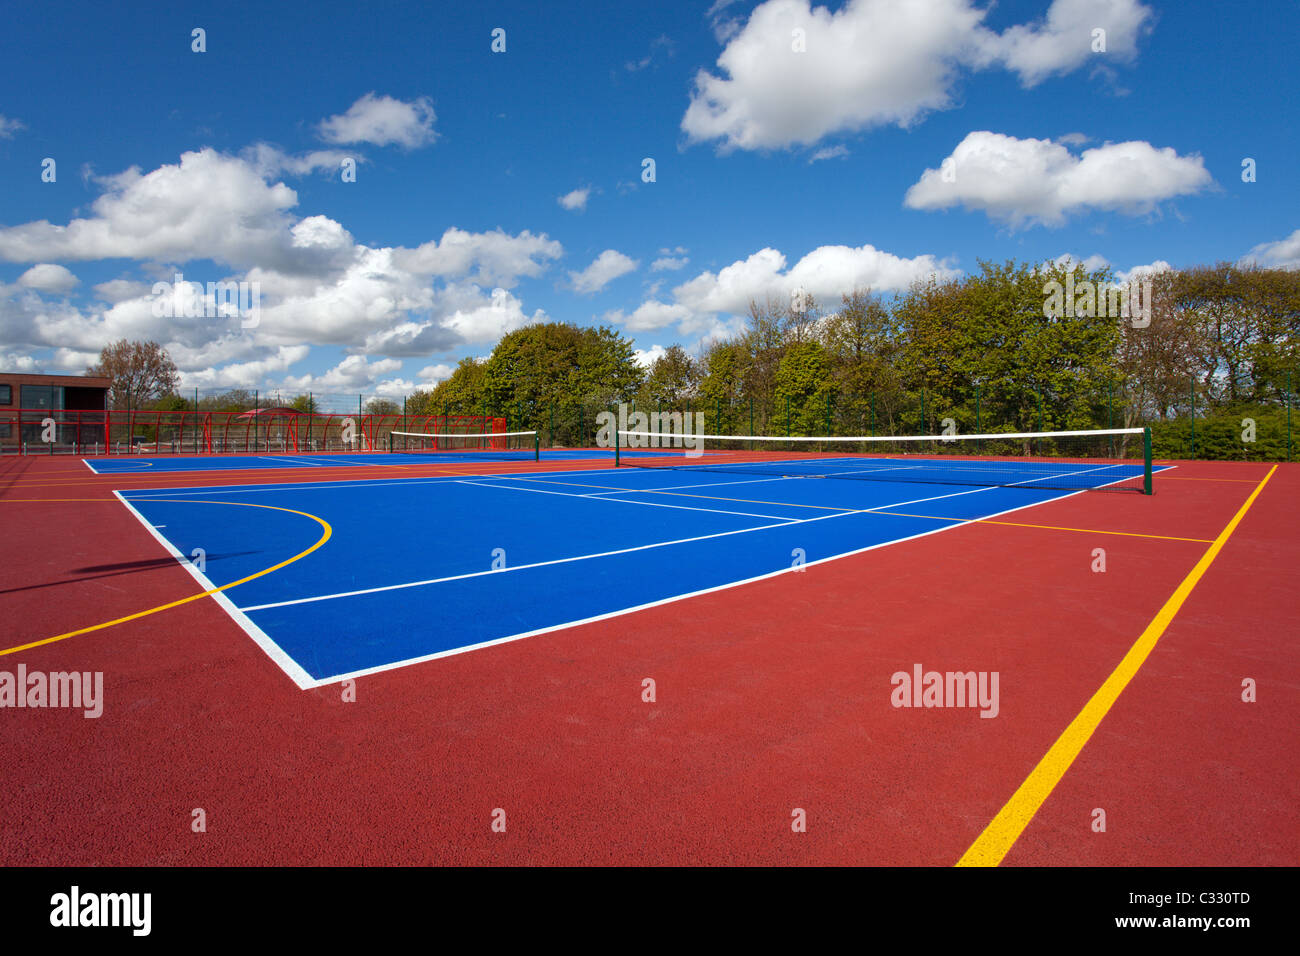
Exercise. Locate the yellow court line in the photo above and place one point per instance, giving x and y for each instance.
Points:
(1045, 527)
(329, 531)
(1003, 830)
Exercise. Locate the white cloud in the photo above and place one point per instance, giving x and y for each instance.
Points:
(830, 152)
(1062, 41)
(48, 277)
(245, 374)
(486, 257)
(74, 361)
(1280, 254)
(876, 62)
(710, 329)
(119, 290)
(486, 322)
(669, 263)
(382, 121)
(826, 272)
(647, 357)
(13, 362)
(649, 316)
(394, 388)
(829, 271)
(1023, 181)
(1123, 277)
(210, 206)
(270, 161)
(352, 374)
(1091, 264)
(660, 42)
(9, 126)
(575, 201)
(435, 373)
(604, 269)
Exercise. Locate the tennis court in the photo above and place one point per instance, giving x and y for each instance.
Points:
(372, 575)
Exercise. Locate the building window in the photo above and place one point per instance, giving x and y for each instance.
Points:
(42, 396)
(6, 430)
(6, 394)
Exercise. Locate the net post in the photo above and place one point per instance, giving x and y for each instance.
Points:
(1146, 460)
(618, 440)
(390, 442)
(537, 446)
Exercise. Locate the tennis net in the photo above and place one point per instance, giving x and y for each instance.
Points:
(489, 446)
(1111, 459)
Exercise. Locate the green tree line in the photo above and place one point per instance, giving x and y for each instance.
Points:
(1219, 342)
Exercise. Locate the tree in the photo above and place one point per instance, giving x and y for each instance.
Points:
(1246, 320)
(533, 367)
(988, 331)
(305, 402)
(672, 379)
(863, 344)
(460, 394)
(235, 400)
(141, 372)
(722, 375)
(1157, 363)
(382, 406)
(764, 339)
(804, 389)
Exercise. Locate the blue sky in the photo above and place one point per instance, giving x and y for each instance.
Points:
(868, 143)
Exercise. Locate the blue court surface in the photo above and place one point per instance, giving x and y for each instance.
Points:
(406, 570)
(131, 465)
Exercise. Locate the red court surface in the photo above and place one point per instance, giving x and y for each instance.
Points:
(771, 696)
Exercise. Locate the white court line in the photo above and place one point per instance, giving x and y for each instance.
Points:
(708, 484)
(263, 640)
(87, 463)
(450, 652)
(518, 567)
(647, 504)
(307, 461)
(604, 554)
